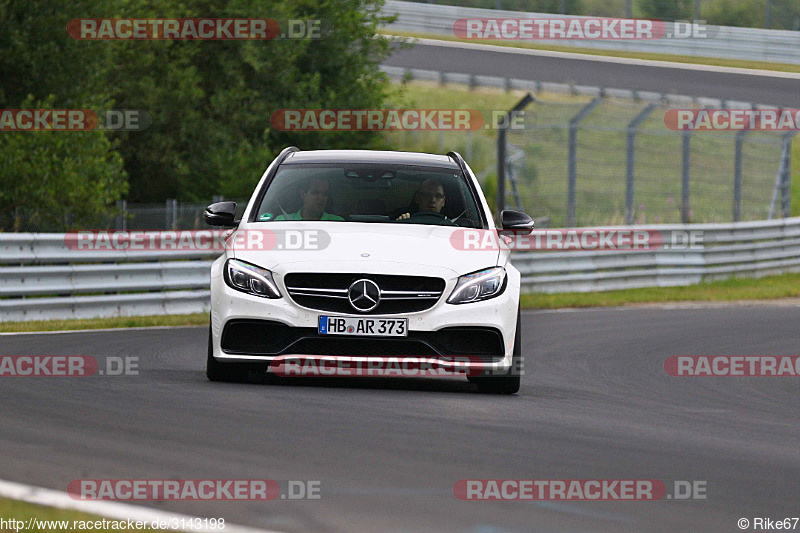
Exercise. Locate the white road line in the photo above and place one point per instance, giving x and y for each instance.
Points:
(585, 511)
(609, 59)
(112, 510)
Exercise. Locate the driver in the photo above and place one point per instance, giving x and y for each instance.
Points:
(314, 194)
(429, 197)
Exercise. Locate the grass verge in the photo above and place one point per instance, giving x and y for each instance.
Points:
(719, 62)
(733, 289)
(22, 511)
(197, 319)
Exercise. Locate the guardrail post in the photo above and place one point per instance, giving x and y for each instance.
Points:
(687, 146)
(572, 170)
(631, 160)
(737, 177)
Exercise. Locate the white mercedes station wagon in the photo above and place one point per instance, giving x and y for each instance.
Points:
(355, 254)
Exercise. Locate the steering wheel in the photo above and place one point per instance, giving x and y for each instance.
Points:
(432, 218)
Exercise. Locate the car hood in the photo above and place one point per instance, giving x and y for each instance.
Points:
(364, 247)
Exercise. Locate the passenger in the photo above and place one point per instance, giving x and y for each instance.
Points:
(314, 195)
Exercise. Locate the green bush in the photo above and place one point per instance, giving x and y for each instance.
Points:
(666, 9)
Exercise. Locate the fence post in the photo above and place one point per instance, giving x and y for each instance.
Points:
(687, 140)
(501, 168)
(171, 214)
(501, 150)
(786, 186)
(574, 122)
(631, 160)
(737, 177)
(768, 15)
(122, 222)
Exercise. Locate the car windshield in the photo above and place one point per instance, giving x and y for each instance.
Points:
(369, 193)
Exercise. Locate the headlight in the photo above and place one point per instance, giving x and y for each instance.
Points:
(250, 279)
(480, 285)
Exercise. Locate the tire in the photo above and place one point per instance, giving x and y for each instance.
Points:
(226, 372)
(510, 383)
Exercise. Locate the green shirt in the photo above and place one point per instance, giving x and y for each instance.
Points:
(296, 216)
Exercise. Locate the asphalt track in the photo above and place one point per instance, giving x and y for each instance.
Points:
(596, 71)
(596, 403)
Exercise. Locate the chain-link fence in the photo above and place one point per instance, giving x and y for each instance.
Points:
(577, 161)
(607, 161)
(172, 214)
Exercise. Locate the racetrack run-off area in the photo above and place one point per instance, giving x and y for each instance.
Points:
(595, 403)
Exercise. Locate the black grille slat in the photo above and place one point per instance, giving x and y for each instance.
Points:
(322, 291)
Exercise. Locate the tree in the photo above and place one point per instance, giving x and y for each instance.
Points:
(211, 101)
(59, 179)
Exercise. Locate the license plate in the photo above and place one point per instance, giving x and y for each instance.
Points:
(358, 325)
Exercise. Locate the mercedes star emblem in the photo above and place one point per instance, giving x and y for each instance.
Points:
(364, 295)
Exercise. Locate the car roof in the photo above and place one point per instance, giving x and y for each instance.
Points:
(370, 156)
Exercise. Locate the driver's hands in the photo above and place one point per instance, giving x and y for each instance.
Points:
(404, 216)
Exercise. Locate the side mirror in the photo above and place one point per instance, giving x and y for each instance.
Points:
(221, 214)
(516, 222)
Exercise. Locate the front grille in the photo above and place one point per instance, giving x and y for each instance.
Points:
(265, 337)
(399, 294)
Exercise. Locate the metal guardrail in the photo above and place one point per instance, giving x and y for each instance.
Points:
(777, 46)
(41, 279)
(511, 84)
(736, 249)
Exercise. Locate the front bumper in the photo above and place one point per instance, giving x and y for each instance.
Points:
(248, 328)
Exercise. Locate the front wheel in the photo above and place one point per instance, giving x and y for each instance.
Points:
(509, 383)
(226, 372)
